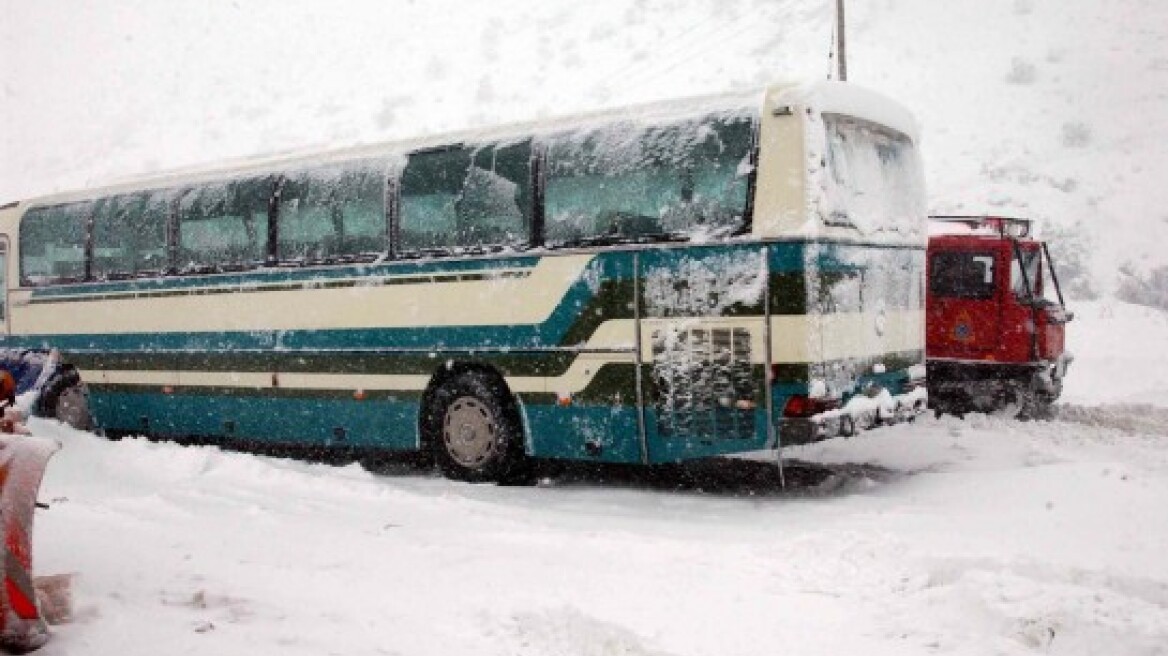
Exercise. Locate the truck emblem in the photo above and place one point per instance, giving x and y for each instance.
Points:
(963, 328)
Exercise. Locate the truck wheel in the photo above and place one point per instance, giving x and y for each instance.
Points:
(474, 431)
(66, 398)
(1026, 402)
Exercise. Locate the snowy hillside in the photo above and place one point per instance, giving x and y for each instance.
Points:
(1036, 107)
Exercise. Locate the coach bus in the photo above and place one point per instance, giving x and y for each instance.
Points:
(660, 283)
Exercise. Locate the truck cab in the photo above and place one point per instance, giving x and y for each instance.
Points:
(995, 317)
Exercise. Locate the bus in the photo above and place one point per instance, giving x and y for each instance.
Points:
(660, 283)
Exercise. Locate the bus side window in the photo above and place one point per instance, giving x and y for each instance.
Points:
(496, 196)
(333, 212)
(460, 198)
(626, 181)
(224, 225)
(52, 243)
(129, 235)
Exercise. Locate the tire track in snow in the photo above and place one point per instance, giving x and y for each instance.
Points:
(1128, 418)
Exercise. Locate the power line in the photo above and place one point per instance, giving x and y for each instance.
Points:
(719, 37)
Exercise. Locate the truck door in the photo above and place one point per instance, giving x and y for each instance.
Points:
(964, 314)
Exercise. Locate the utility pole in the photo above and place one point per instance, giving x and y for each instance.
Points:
(841, 41)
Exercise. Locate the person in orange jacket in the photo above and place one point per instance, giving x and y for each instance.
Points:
(11, 417)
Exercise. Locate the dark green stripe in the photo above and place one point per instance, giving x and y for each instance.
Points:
(791, 373)
(613, 300)
(261, 392)
(510, 364)
(788, 292)
(245, 288)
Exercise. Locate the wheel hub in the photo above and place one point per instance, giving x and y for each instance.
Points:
(469, 431)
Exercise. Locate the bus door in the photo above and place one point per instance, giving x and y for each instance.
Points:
(3, 285)
(964, 309)
(701, 350)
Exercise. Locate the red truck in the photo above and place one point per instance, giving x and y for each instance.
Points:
(995, 338)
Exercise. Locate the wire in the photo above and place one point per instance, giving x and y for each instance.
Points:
(731, 32)
(674, 43)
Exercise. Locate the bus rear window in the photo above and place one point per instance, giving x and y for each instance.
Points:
(962, 275)
(875, 182)
(629, 182)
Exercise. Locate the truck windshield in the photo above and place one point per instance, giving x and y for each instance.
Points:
(962, 275)
(1042, 286)
(1025, 286)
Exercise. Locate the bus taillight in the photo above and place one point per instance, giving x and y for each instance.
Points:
(801, 406)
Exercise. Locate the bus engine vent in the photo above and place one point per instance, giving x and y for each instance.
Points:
(703, 386)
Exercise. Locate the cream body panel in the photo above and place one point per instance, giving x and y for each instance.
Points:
(457, 303)
(780, 197)
(819, 338)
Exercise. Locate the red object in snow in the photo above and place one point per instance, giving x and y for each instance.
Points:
(22, 465)
(995, 318)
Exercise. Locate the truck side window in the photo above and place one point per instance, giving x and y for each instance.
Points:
(962, 275)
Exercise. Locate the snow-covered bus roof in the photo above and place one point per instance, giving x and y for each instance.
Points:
(850, 100)
(819, 96)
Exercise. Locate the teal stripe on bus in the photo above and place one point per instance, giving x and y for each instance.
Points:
(307, 276)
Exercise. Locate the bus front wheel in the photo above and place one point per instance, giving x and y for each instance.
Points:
(474, 432)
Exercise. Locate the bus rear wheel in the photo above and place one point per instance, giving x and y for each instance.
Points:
(66, 398)
(474, 431)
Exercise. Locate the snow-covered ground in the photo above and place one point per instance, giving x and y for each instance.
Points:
(983, 536)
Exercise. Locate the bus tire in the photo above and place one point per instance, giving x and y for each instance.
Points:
(474, 431)
(65, 398)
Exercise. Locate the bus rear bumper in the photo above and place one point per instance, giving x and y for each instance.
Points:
(860, 413)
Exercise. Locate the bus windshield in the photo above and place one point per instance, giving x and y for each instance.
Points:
(875, 180)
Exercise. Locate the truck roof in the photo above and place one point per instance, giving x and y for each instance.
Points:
(994, 227)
